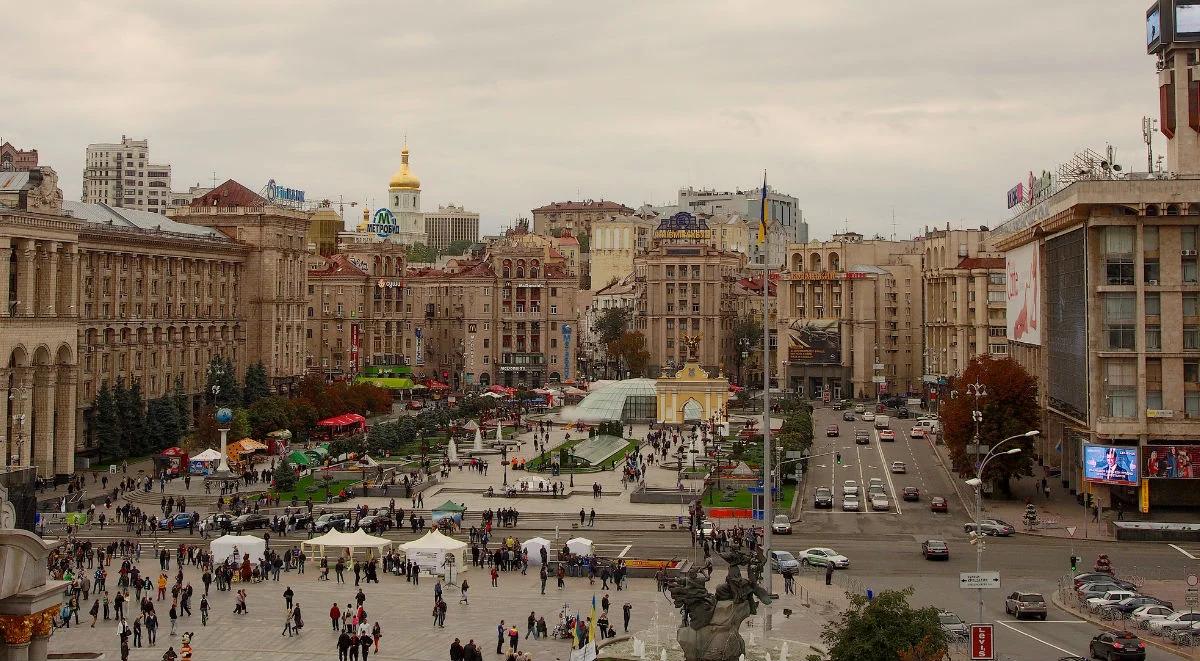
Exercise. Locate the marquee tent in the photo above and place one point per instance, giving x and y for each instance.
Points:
(208, 455)
(235, 546)
(429, 552)
(347, 541)
(580, 546)
(299, 458)
(535, 546)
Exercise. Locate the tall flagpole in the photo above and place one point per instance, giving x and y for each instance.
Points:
(768, 482)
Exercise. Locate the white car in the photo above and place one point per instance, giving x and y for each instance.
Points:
(860, 408)
(1149, 613)
(899, 467)
(850, 488)
(917, 432)
(1110, 598)
(850, 504)
(782, 525)
(706, 530)
(868, 417)
(1174, 621)
(820, 557)
(880, 503)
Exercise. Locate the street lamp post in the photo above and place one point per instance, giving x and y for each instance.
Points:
(977, 483)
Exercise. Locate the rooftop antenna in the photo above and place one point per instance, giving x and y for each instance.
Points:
(845, 225)
(214, 178)
(893, 223)
(1148, 127)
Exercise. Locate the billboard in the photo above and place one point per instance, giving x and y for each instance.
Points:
(1176, 462)
(1024, 286)
(1066, 324)
(1110, 464)
(815, 341)
(1187, 21)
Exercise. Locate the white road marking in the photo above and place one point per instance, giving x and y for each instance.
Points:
(1046, 621)
(625, 550)
(1029, 635)
(887, 472)
(1189, 555)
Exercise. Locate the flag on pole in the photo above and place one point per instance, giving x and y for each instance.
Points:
(764, 215)
(592, 624)
(575, 633)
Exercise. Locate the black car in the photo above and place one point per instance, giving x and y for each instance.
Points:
(823, 498)
(912, 494)
(376, 523)
(862, 437)
(300, 520)
(848, 416)
(1118, 646)
(934, 549)
(219, 521)
(902, 412)
(249, 522)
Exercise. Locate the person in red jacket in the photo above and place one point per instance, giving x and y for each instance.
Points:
(335, 615)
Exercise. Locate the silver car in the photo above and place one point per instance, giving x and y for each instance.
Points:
(880, 503)
(1022, 604)
(953, 625)
(850, 504)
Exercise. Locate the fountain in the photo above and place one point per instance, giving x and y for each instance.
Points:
(452, 451)
(478, 439)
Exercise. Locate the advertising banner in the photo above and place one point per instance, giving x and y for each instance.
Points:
(815, 341)
(1024, 287)
(1110, 464)
(1173, 462)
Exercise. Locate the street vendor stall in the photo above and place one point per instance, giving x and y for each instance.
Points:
(172, 461)
(204, 463)
(336, 544)
(430, 551)
(299, 459)
(237, 546)
(534, 546)
(448, 511)
(580, 546)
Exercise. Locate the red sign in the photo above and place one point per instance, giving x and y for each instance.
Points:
(981, 643)
(355, 343)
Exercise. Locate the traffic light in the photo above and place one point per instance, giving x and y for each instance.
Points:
(1089, 500)
(839, 458)
(1074, 562)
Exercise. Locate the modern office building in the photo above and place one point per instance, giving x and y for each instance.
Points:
(784, 209)
(449, 224)
(121, 175)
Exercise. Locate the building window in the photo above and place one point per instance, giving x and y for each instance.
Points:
(1191, 304)
(1191, 404)
(1191, 372)
(1154, 384)
(997, 279)
(1191, 337)
(1150, 271)
(1154, 338)
(1150, 239)
(553, 309)
(995, 296)
(1153, 304)
(1121, 388)
(1118, 255)
(1187, 268)
(1119, 321)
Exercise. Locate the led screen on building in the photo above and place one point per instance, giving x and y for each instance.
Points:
(1177, 462)
(815, 342)
(1066, 323)
(1024, 288)
(1110, 464)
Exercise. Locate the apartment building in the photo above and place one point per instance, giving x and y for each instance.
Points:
(121, 175)
(17, 160)
(575, 216)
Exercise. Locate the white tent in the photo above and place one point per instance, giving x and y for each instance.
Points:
(492, 395)
(347, 542)
(580, 546)
(430, 551)
(535, 546)
(235, 546)
(208, 455)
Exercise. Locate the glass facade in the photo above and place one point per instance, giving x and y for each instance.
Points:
(628, 400)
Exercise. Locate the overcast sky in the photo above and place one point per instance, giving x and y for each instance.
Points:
(931, 108)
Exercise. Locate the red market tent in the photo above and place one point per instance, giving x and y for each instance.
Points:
(436, 385)
(352, 420)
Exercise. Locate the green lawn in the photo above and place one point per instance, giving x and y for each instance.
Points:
(742, 498)
(300, 493)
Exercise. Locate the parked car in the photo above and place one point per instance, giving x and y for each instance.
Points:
(250, 521)
(1117, 646)
(850, 503)
(917, 432)
(934, 549)
(376, 523)
(220, 521)
(887, 435)
(862, 437)
(1089, 590)
(938, 504)
(782, 525)
(1127, 606)
(832, 430)
(180, 520)
(899, 467)
(1174, 622)
(1021, 604)
(783, 561)
(953, 625)
(993, 527)
(820, 557)
(1094, 576)
(338, 521)
(868, 416)
(880, 503)
(822, 498)
(912, 494)
(850, 488)
(705, 530)
(848, 416)
(1110, 598)
(1150, 612)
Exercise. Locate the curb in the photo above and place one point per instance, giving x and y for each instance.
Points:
(1107, 625)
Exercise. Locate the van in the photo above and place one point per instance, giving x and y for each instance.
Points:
(882, 422)
(930, 426)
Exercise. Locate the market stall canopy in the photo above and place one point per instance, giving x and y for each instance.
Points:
(389, 382)
(573, 391)
(449, 506)
(351, 541)
(417, 386)
(299, 458)
(580, 546)
(235, 546)
(208, 455)
(429, 552)
(343, 420)
(535, 546)
(493, 395)
(433, 384)
(251, 445)
(281, 433)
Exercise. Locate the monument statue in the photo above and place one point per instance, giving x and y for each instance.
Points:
(711, 620)
(692, 342)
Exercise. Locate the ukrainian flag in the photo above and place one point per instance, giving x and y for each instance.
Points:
(592, 624)
(764, 215)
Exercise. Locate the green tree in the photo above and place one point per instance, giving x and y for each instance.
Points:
(885, 628)
(221, 388)
(270, 414)
(585, 243)
(255, 387)
(1009, 408)
(630, 350)
(183, 407)
(108, 426)
(132, 417)
(458, 248)
(239, 428)
(610, 324)
(284, 478)
(421, 253)
(162, 428)
(747, 334)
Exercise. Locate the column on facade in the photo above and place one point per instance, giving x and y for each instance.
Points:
(42, 435)
(69, 289)
(19, 410)
(5, 275)
(5, 452)
(51, 294)
(27, 278)
(64, 420)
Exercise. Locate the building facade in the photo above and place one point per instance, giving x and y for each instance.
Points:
(121, 175)
(575, 216)
(449, 224)
(615, 242)
(784, 209)
(17, 160)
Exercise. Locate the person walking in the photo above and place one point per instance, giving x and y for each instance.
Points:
(203, 611)
(500, 631)
(343, 646)
(364, 643)
(495, 577)
(335, 615)
(462, 599)
(137, 631)
(95, 612)
(287, 597)
(542, 575)
(174, 615)
(531, 625)
(514, 638)
(626, 612)
(829, 574)
(456, 651)
(288, 629)
(151, 628)
(376, 634)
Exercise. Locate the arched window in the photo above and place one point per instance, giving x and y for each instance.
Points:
(814, 262)
(834, 261)
(1151, 210)
(506, 268)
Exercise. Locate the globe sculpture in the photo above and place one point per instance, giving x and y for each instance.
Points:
(224, 416)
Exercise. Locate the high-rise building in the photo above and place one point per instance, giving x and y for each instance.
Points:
(17, 160)
(121, 175)
(784, 209)
(448, 224)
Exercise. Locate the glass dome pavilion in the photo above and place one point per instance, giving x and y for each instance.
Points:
(628, 400)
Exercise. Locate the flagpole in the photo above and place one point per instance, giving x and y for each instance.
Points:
(768, 482)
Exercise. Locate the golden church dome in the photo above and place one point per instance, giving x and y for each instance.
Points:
(403, 178)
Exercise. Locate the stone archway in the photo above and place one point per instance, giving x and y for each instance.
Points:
(692, 411)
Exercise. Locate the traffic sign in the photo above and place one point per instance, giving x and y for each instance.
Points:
(1192, 597)
(970, 580)
(1071, 530)
(1191, 580)
(982, 648)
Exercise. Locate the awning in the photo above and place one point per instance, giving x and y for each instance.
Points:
(250, 445)
(449, 506)
(436, 385)
(299, 458)
(389, 382)
(208, 455)
(342, 420)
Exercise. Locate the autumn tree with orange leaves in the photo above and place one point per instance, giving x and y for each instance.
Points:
(1009, 408)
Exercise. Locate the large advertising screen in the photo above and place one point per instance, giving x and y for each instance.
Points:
(1110, 464)
(1153, 26)
(1066, 323)
(815, 341)
(1177, 462)
(1187, 20)
(1024, 288)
